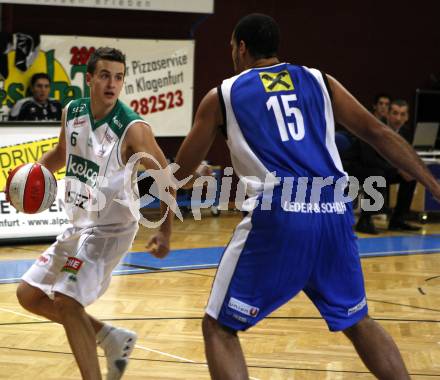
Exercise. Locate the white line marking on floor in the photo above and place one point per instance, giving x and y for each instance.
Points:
(164, 353)
(22, 315)
(175, 357)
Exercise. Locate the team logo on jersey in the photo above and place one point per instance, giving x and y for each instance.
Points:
(73, 265)
(85, 170)
(80, 121)
(79, 109)
(117, 122)
(43, 260)
(72, 278)
(358, 307)
(274, 82)
(242, 307)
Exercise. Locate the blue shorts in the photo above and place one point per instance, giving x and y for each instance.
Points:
(273, 255)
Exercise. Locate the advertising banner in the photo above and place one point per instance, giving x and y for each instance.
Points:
(158, 83)
(20, 145)
(193, 6)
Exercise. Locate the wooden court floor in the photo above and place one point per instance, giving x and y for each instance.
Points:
(165, 308)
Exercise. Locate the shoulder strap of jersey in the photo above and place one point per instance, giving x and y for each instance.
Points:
(327, 84)
(223, 110)
(76, 108)
(123, 118)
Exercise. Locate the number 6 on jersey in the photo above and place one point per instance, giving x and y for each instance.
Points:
(296, 131)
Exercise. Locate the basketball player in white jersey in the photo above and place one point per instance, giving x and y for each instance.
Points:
(98, 136)
(279, 122)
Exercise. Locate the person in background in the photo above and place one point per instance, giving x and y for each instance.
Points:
(373, 164)
(398, 117)
(38, 107)
(381, 106)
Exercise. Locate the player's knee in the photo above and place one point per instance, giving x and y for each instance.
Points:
(360, 328)
(211, 327)
(66, 305)
(22, 296)
(26, 296)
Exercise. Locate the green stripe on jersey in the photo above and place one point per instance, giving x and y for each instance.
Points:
(117, 119)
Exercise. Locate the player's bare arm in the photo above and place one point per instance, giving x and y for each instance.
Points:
(55, 159)
(140, 138)
(350, 113)
(196, 145)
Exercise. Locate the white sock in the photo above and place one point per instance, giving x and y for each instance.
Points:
(101, 335)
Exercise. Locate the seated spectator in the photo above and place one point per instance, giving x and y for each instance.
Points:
(369, 163)
(398, 117)
(39, 106)
(381, 106)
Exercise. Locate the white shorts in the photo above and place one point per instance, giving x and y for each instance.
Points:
(80, 263)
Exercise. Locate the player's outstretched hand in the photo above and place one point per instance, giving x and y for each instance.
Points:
(159, 245)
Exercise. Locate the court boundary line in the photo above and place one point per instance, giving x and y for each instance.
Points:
(163, 353)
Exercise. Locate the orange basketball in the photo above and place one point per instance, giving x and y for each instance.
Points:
(31, 188)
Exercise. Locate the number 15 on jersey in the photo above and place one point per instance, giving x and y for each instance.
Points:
(296, 131)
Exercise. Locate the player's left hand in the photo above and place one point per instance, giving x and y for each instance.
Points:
(159, 245)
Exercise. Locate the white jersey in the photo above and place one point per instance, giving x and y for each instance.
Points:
(95, 191)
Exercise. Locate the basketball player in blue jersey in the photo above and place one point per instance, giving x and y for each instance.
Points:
(279, 119)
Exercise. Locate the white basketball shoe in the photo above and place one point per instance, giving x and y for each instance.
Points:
(118, 346)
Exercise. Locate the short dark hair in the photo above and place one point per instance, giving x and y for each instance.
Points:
(260, 33)
(107, 54)
(399, 103)
(381, 95)
(37, 76)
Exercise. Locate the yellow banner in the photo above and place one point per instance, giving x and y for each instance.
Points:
(23, 153)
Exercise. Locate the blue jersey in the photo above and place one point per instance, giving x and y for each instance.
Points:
(280, 125)
(280, 119)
